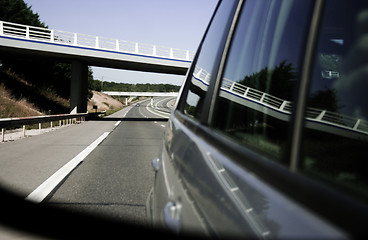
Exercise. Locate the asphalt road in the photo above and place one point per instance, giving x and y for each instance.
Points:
(113, 180)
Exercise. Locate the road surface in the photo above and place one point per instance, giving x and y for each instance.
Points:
(112, 181)
(115, 179)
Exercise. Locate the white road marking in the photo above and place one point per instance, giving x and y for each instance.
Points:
(118, 122)
(161, 114)
(41, 192)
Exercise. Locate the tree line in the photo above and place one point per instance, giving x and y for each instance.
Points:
(98, 85)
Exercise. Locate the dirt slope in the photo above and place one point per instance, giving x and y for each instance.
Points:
(9, 107)
(103, 102)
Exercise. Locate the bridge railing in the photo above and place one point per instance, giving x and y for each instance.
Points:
(284, 106)
(95, 42)
(320, 116)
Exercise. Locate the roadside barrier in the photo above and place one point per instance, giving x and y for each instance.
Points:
(63, 119)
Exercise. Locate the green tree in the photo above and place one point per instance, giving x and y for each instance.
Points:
(278, 82)
(18, 11)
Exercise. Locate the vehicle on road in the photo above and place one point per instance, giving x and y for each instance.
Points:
(269, 135)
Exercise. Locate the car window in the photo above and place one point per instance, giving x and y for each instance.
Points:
(256, 93)
(336, 130)
(207, 59)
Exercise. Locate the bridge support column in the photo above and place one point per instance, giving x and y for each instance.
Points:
(78, 87)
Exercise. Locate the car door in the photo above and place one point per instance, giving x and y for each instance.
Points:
(234, 142)
(246, 102)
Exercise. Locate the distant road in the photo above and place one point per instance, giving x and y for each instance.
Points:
(113, 180)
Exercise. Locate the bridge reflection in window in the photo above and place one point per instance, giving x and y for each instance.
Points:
(336, 132)
(256, 94)
(207, 61)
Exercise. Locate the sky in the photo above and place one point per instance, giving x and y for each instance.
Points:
(170, 23)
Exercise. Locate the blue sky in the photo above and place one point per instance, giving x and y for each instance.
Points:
(170, 23)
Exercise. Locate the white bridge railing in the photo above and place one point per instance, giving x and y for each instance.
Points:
(285, 107)
(83, 40)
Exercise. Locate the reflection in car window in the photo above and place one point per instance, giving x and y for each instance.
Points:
(207, 60)
(336, 130)
(255, 98)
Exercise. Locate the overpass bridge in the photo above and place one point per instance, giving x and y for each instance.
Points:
(141, 94)
(85, 50)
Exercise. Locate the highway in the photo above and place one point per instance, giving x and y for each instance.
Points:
(113, 180)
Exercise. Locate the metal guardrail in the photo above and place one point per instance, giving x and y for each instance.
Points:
(83, 40)
(6, 123)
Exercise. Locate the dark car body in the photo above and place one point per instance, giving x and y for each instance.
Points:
(269, 135)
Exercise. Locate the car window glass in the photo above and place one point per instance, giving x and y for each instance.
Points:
(336, 130)
(207, 58)
(256, 94)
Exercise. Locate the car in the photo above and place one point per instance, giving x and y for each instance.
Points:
(269, 134)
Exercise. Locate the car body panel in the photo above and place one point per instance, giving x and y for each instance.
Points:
(209, 184)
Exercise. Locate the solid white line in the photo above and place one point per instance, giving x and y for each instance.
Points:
(41, 192)
(117, 123)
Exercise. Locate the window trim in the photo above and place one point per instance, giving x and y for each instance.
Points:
(220, 72)
(215, 70)
(186, 84)
(302, 89)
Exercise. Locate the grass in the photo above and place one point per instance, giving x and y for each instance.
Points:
(20, 98)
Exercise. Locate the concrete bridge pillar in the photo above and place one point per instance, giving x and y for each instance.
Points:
(78, 87)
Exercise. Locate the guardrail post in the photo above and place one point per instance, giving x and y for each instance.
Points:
(39, 128)
(356, 124)
(52, 35)
(24, 130)
(232, 86)
(263, 96)
(1, 28)
(320, 116)
(2, 135)
(75, 39)
(27, 32)
(97, 42)
(117, 45)
(246, 91)
(154, 50)
(136, 48)
(198, 74)
(283, 105)
(171, 53)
